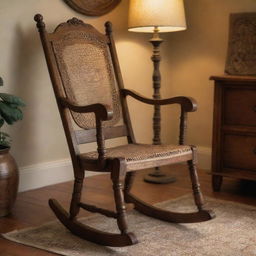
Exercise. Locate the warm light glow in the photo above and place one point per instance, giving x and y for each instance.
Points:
(167, 15)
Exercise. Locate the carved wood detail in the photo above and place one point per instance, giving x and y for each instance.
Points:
(241, 57)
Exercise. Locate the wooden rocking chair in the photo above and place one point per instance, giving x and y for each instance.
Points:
(89, 91)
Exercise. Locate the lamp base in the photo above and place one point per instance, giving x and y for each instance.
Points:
(157, 177)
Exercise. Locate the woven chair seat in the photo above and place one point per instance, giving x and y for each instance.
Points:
(144, 155)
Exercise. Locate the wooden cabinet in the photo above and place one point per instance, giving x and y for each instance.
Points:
(234, 129)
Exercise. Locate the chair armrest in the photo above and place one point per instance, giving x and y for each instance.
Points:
(187, 103)
(102, 112)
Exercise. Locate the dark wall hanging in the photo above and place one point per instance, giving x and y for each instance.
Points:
(93, 7)
(241, 57)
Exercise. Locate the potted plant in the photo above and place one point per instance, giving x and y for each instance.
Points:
(10, 112)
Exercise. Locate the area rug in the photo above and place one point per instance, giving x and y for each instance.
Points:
(231, 233)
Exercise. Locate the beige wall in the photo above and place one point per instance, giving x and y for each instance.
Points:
(189, 58)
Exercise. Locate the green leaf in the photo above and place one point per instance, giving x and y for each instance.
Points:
(10, 114)
(12, 99)
(1, 81)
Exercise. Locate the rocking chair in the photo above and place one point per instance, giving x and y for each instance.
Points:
(89, 91)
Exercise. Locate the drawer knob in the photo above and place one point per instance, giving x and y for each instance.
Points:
(254, 108)
(254, 151)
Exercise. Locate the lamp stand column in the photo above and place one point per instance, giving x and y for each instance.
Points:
(157, 176)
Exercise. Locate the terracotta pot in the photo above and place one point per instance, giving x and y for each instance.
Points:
(9, 180)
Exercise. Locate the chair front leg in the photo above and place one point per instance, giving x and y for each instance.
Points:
(76, 196)
(198, 197)
(117, 177)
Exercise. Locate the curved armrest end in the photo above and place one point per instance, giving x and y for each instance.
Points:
(103, 112)
(189, 104)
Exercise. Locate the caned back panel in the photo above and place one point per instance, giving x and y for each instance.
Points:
(86, 71)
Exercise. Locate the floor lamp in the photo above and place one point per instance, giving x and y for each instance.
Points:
(156, 16)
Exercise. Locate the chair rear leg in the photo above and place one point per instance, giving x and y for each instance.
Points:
(198, 197)
(76, 196)
(117, 177)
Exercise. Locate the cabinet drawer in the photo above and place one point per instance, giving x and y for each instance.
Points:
(239, 106)
(239, 152)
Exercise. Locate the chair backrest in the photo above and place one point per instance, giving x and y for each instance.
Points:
(83, 67)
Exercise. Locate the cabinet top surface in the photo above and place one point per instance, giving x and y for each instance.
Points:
(234, 78)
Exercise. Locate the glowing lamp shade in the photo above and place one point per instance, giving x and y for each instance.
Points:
(167, 15)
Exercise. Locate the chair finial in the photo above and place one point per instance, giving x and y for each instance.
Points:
(75, 21)
(108, 27)
(39, 21)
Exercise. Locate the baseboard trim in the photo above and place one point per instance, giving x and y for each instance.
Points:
(49, 173)
(44, 174)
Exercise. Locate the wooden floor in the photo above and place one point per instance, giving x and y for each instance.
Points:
(31, 207)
